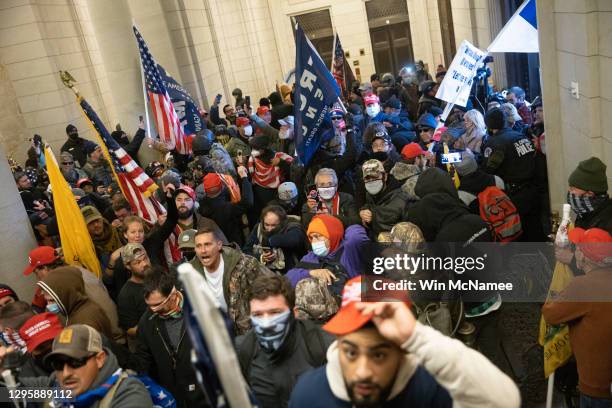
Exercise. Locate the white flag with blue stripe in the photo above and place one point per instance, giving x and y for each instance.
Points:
(520, 34)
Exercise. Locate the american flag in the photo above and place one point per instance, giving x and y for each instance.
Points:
(135, 184)
(166, 120)
(341, 70)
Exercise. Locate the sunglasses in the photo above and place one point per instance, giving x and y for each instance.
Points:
(67, 163)
(59, 362)
(424, 130)
(336, 118)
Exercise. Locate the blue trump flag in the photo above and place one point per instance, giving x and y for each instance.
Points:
(520, 34)
(315, 91)
(185, 107)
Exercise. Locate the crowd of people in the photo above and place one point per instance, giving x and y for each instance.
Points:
(281, 246)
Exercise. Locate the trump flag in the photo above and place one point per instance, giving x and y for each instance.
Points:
(315, 91)
(520, 34)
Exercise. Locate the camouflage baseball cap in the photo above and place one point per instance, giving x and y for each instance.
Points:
(131, 252)
(313, 301)
(409, 235)
(372, 168)
(186, 239)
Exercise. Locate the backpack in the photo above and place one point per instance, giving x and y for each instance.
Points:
(159, 395)
(335, 267)
(313, 340)
(500, 213)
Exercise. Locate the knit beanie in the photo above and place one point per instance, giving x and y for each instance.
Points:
(71, 129)
(328, 226)
(495, 119)
(467, 165)
(260, 142)
(212, 184)
(590, 175)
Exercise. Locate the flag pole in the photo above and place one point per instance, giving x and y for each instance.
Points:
(549, 390)
(144, 94)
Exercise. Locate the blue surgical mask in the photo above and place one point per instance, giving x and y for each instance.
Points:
(53, 308)
(319, 248)
(271, 331)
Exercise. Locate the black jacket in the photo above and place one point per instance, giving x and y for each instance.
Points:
(440, 214)
(132, 147)
(171, 368)
(387, 207)
(342, 165)
(347, 213)
(77, 149)
(291, 238)
(272, 376)
(510, 155)
(600, 218)
(228, 216)
(475, 183)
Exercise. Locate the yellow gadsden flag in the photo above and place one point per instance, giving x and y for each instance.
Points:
(76, 242)
(555, 339)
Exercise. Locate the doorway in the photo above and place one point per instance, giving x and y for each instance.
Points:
(390, 35)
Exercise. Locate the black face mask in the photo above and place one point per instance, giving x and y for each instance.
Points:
(188, 255)
(288, 205)
(39, 360)
(73, 136)
(380, 156)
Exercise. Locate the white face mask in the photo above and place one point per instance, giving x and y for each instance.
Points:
(374, 187)
(248, 130)
(373, 110)
(285, 133)
(327, 193)
(255, 152)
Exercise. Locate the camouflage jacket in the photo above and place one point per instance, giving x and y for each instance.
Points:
(239, 272)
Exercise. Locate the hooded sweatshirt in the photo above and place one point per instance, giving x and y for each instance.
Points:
(350, 250)
(437, 371)
(439, 207)
(129, 393)
(66, 286)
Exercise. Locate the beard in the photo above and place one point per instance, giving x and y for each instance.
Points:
(184, 213)
(374, 400)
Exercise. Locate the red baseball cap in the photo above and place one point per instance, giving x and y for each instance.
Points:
(187, 190)
(43, 255)
(262, 110)
(40, 328)
(412, 150)
(370, 99)
(82, 181)
(595, 243)
(349, 319)
(242, 121)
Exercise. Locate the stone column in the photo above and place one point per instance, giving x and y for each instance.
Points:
(17, 235)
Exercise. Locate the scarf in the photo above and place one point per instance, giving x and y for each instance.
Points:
(582, 204)
(92, 396)
(265, 174)
(335, 206)
(176, 310)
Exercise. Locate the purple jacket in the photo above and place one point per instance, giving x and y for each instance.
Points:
(355, 238)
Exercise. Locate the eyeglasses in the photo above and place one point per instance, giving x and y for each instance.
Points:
(67, 163)
(58, 363)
